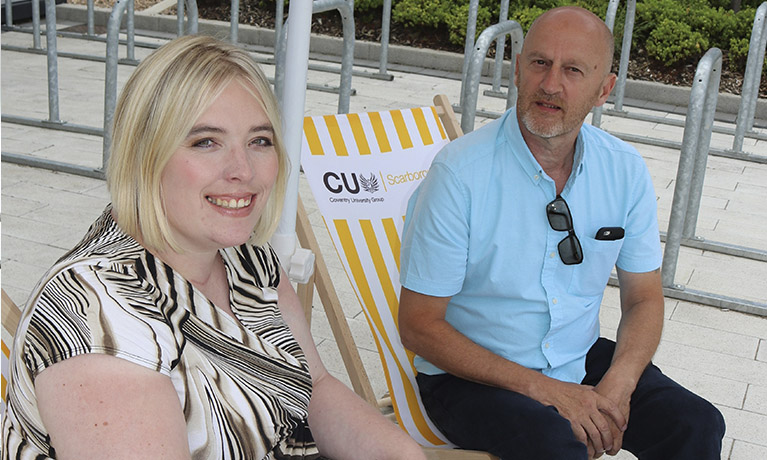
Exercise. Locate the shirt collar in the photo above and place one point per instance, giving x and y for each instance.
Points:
(526, 159)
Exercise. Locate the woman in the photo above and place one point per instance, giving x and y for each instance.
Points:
(170, 331)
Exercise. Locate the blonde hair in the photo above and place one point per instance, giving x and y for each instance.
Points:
(159, 104)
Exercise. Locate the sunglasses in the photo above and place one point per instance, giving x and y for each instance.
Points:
(561, 220)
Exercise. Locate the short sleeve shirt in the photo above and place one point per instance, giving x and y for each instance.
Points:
(244, 385)
(476, 231)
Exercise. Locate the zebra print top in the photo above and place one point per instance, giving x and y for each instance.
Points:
(244, 386)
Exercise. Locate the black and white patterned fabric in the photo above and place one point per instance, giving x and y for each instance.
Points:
(244, 385)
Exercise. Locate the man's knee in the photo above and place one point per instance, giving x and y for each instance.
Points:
(703, 421)
(675, 423)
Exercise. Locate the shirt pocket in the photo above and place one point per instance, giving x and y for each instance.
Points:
(590, 276)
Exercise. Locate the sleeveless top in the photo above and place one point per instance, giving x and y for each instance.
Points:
(244, 386)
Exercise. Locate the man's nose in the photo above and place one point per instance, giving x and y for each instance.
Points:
(552, 81)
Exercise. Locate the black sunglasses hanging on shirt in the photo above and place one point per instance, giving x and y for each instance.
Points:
(561, 220)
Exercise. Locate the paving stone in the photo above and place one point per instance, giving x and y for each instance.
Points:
(713, 388)
(723, 320)
(745, 280)
(746, 426)
(756, 398)
(742, 450)
(706, 338)
(710, 362)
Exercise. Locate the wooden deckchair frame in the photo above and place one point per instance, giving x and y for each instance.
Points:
(11, 313)
(326, 291)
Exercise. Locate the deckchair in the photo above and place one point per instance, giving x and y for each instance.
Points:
(361, 169)
(11, 317)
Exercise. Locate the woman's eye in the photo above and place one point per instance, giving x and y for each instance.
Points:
(203, 143)
(262, 142)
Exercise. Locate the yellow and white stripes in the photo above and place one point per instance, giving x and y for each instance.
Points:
(374, 132)
(5, 345)
(368, 242)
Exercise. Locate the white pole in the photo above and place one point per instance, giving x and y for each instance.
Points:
(298, 262)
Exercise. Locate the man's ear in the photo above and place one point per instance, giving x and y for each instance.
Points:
(516, 70)
(607, 86)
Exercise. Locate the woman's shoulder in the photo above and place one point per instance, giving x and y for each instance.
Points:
(259, 263)
(99, 305)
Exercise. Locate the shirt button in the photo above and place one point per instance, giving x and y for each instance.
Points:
(536, 177)
(554, 301)
(546, 345)
(552, 254)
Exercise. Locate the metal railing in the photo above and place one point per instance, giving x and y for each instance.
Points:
(750, 93)
(470, 86)
(500, 50)
(689, 186)
(90, 34)
(752, 78)
(125, 9)
(612, 11)
(346, 10)
(54, 121)
(746, 115)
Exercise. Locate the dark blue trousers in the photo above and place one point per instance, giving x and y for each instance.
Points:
(666, 422)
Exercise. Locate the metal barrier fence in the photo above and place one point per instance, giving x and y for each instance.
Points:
(53, 121)
(750, 92)
(473, 60)
(689, 185)
(346, 10)
(500, 50)
(470, 86)
(745, 121)
(125, 9)
(628, 30)
(383, 60)
(752, 78)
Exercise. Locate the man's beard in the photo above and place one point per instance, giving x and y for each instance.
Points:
(554, 126)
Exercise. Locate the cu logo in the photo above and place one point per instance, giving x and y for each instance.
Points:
(337, 184)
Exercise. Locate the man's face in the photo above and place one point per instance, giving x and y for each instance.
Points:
(560, 75)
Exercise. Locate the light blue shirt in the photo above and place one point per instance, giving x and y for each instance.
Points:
(476, 231)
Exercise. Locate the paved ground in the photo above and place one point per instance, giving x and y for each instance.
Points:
(720, 354)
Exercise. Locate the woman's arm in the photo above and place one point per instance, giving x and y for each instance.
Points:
(99, 406)
(343, 425)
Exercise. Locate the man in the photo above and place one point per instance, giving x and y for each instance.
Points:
(507, 249)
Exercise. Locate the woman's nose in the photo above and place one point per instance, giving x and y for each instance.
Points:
(239, 164)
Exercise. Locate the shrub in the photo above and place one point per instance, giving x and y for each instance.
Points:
(672, 42)
(738, 54)
(452, 14)
(671, 31)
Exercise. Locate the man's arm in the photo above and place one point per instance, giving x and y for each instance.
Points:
(425, 331)
(639, 332)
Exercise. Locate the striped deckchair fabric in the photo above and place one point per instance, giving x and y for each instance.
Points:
(362, 168)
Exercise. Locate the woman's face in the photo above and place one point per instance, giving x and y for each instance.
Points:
(217, 182)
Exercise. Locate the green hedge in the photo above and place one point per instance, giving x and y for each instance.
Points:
(672, 32)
